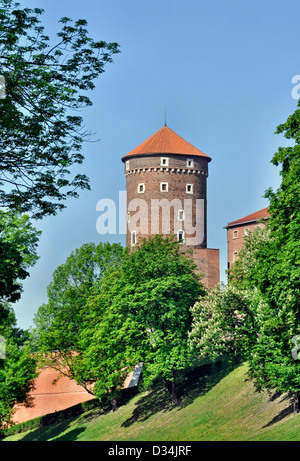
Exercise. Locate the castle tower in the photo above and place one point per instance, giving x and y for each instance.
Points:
(166, 194)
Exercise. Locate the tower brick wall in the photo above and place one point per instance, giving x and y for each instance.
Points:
(148, 172)
(166, 194)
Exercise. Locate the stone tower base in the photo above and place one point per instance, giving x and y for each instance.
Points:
(207, 262)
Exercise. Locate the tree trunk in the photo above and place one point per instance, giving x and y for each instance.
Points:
(296, 402)
(171, 386)
(114, 404)
(113, 399)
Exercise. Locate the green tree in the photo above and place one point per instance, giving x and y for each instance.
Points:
(60, 321)
(18, 242)
(47, 84)
(225, 323)
(277, 274)
(17, 370)
(146, 318)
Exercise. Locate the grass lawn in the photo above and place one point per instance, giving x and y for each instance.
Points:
(213, 407)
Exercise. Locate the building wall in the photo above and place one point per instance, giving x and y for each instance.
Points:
(53, 392)
(50, 395)
(149, 171)
(207, 262)
(235, 239)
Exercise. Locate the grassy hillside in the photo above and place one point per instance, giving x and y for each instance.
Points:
(215, 407)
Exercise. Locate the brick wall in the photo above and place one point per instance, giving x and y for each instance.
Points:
(235, 239)
(207, 262)
(48, 397)
(148, 171)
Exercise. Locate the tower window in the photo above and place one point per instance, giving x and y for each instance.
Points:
(133, 238)
(180, 236)
(190, 163)
(246, 231)
(235, 255)
(164, 187)
(180, 215)
(127, 165)
(164, 161)
(189, 188)
(141, 188)
(235, 234)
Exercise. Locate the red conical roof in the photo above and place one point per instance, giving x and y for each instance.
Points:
(166, 141)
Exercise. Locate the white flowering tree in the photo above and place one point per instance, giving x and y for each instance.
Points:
(225, 323)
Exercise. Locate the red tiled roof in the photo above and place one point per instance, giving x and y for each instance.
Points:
(166, 141)
(251, 217)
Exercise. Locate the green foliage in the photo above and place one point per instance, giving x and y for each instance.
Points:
(46, 86)
(281, 280)
(18, 242)
(241, 272)
(146, 317)
(257, 315)
(277, 274)
(59, 322)
(17, 374)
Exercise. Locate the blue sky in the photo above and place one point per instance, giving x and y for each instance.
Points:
(221, 70)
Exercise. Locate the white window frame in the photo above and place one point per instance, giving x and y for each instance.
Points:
(181, 212)
(190, 163)
(183, 239)
(164, 159)
(164, 184)
(192, 188)
(127, 164)
(133, 238)
(143, 188)
(235, 255)
(247, 231)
